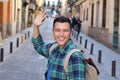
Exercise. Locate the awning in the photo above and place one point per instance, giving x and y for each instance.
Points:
(79, 2)
(3, 0)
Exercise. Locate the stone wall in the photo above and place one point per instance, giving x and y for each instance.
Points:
(103, 37)
(100, 35)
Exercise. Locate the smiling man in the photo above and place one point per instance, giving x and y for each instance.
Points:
(62, 31)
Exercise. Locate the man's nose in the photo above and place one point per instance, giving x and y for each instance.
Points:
(61, 33)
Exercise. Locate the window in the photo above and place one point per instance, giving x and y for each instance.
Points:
(87, 14)
(92, 15)
(116, 24)
(116, 13)
(84, 16)
(104, 14)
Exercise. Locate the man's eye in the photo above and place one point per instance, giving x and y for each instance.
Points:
(65, 30)
(57, 30)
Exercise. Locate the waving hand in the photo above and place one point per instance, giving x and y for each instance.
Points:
(37, 22)
(39, 19)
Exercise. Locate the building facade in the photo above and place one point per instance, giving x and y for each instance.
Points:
(5, 18)
(100, 20)
(11, 17)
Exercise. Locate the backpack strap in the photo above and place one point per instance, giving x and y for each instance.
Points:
(66, 60)
(52, 47)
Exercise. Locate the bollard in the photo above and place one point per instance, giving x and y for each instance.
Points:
(80, 39)
(113, 68)
(2, 55)
(99, 56)
(22, 39)
(25, 36)
(17, 43)
(91, 50)
(77, 36)
(11, 47)
(28, 33)
(85, 44)
(74, 33)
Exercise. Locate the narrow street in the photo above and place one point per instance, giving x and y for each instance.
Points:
(25, 64)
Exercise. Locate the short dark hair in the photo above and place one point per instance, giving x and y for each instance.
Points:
(62, 19)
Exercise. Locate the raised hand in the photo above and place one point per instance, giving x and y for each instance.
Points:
(39, 19)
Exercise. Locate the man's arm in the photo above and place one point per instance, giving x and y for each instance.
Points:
(36, 32)
(37, 22)
(37, 40)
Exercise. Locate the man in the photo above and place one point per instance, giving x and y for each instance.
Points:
(62, 31)
(78, 27)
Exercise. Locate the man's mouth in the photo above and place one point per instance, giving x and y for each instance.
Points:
(61, 39)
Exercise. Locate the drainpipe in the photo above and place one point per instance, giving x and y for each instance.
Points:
(0, 39)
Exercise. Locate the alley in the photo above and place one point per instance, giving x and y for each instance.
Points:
(25, 64)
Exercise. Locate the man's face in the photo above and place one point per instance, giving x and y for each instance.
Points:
(61, 33)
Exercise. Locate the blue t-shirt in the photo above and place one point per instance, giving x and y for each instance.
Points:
(49, 72)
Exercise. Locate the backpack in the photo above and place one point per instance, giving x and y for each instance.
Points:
(92, 71)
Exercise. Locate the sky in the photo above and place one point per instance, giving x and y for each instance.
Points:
(51, 1)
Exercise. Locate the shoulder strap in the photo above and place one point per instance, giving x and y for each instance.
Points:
(66, 60)
(52, 47)
(91, 72)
